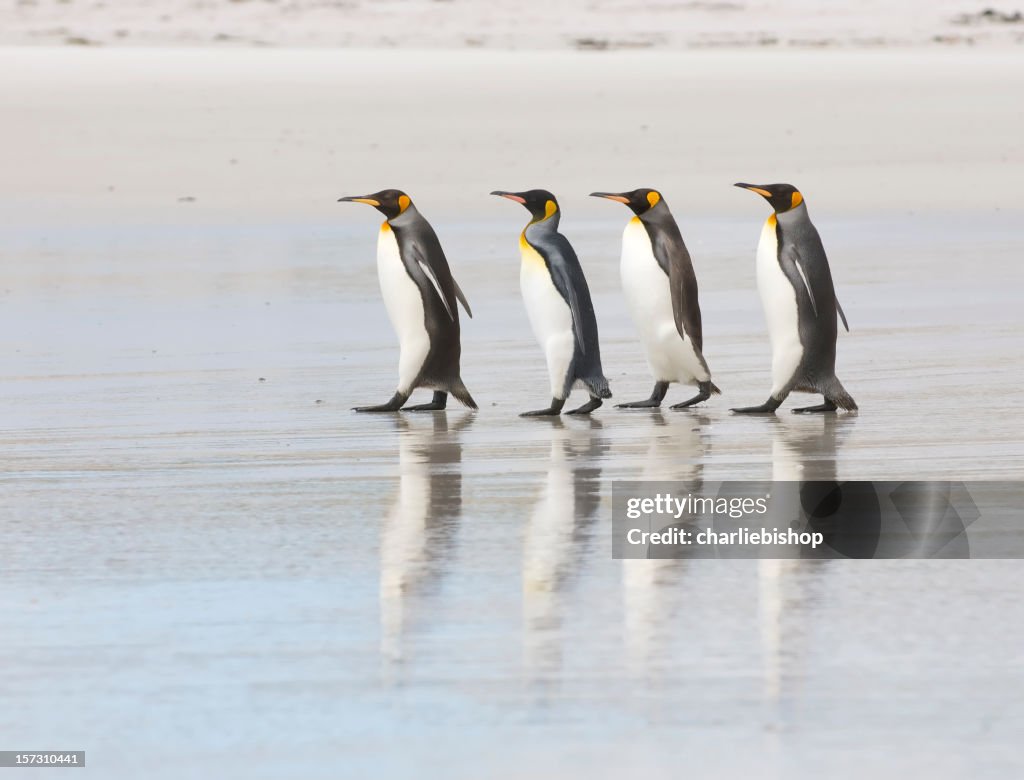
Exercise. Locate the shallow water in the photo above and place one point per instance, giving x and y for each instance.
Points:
(214, 566)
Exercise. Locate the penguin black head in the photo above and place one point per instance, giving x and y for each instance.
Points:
(640, 201)
(782, 197)
(390, 203)
(540, 203)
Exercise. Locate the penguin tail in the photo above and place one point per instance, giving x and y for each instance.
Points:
(836, 393)
(458, 389)
(714, 388)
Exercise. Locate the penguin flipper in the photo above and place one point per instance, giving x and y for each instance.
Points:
(462, 298)
(799, 263)
(842, 316)
(563, 283)
(429, 272)
(671, 254)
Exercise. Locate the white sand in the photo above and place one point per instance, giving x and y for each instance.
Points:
(525, 24)
(124, 134)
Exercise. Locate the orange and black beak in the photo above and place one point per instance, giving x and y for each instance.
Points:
(616, 196)
(360, 199)
(764, 193)
(510, 195)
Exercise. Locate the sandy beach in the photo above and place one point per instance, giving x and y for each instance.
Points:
(527, 25)
(215, 569)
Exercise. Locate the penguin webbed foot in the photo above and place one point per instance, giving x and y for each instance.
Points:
(552, 411)
(589, 406)
(439, 402)
(768, 407)
(647, 403)
(394, 405)
(654, 402)
(828, 406)
(703, 395)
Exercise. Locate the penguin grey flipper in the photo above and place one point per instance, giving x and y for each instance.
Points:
(416, 255)
(462, 298)
(439, 402)
(562, 279)
(657, 396)
(393, 405)
(683, 288)
(790, 254)
(552, 411)
(842, 316)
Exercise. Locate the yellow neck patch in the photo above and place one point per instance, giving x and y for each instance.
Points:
(385, 227)
(797, 200)
(403, 203)
(528, 253)
(771, 220)
(653, 198)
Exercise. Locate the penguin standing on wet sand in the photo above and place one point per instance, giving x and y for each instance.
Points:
(558, 304)
(661, 290)
(800, 305)
(420, 295)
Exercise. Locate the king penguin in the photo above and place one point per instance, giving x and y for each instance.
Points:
(558, 304)
(420, 296)
(800, 305)
(661, 290)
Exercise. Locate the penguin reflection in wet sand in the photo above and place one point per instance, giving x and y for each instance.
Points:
(800, 305)
(558, 303)
(420, 295)
(661, 290)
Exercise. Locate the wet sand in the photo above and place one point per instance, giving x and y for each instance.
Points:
(214, 566)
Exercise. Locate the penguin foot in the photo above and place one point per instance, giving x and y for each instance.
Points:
(439, 402)
(657, 396)
(702, 396)
(589, 406)
(391, 406)
(828, 406)
(647, 403)
(768, 407)
(552, 411)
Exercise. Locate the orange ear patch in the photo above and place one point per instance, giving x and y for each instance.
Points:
(653, 198)
(797, 200)
(403, 202)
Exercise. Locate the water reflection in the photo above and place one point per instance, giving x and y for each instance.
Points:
(652, 593)
(789, 591)
(558, 533)
(418, 532)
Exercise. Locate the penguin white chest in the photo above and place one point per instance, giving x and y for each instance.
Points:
(780, 308)
(649, 298)
(404, 303)
(549, 314)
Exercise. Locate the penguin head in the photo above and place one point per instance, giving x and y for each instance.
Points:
(640, 201)
(782, 197)
(390, 203)
(540, 203)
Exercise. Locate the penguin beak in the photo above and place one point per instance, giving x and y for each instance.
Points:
(754, 188)
(611, 196)
(360, 199)
(510, 196)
